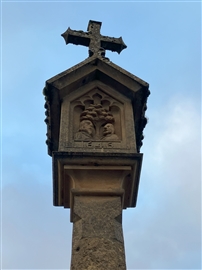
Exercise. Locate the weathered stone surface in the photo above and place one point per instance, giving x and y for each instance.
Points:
(94, 40)
(95, 116)
(97, 234)
(70, 94)
(85, 115)
(94, 173)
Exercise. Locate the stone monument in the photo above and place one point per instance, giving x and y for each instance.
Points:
(95, 120)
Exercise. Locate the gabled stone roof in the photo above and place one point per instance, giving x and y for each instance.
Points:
(94, 68)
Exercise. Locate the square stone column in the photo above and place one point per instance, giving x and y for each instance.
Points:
(97, 233)
(96, 189)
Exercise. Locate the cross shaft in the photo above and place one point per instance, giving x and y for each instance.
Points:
(94, 40)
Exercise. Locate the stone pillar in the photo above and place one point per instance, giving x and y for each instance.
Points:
(97, 242)
(95, 116)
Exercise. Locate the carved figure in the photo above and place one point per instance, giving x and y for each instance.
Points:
(98, 116)
(108, 133)
(86, 131)
(96, 113)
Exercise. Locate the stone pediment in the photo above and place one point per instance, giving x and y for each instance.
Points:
(100, 75)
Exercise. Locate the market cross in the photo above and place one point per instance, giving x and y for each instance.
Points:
(95, 116)
(94, 40)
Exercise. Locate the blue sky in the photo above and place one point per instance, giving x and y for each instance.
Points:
(164, 49)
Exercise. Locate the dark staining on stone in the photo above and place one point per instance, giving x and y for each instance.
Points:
(96, 42)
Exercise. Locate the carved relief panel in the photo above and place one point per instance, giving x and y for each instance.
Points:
(96, 120)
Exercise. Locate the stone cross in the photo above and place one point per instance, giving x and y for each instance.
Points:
(95, 116)
(94, 40)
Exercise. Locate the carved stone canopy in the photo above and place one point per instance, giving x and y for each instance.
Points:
(98, 91)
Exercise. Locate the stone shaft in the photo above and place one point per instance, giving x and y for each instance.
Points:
(97, 242)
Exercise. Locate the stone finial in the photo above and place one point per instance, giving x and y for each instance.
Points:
(94, 40)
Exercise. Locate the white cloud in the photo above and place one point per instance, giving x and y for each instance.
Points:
(166, 230)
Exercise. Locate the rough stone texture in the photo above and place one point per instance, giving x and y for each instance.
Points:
(95, 116)
(95, 173)
(105, 79)
(97, 234)
(85, 114)
(94, 40)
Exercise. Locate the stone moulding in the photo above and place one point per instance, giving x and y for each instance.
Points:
(85, 174)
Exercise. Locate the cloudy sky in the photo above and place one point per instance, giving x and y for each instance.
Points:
(164, 47)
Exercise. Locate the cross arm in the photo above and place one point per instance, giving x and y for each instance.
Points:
(97, 43)
(76, 37)
(113, 44)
